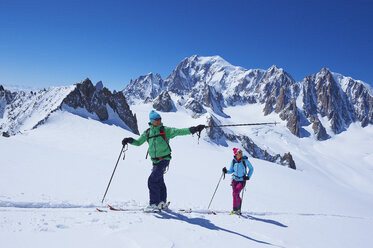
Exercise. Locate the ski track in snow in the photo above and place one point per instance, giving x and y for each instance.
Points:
(128, 227)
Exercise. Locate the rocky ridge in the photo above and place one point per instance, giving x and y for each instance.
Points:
(25, 110)
(326, 102)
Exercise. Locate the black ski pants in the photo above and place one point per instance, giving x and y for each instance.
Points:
(156, 185)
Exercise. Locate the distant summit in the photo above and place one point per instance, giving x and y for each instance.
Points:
(323, 103)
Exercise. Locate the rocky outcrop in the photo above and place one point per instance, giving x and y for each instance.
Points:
(216, 134)
(256, 152)
(25, 110)
(332, 101)
(268, 108)
(144, 89)
(289, 161)
(5, 99)
(292, 116)
(209, 97)
(100, 101)
(318, 128)
(163, 102)
(361, 99)
(195, 106)
(220, 135)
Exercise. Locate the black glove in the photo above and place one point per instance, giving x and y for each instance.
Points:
(125, 141)
(246, 178)
(198, 128)
(224, 170)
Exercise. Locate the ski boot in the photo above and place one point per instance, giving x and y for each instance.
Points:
(163, 205)
(151, 208)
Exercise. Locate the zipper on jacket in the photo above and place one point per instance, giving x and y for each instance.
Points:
(155, 148)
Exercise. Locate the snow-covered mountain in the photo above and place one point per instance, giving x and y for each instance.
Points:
(25, 110)
(324, 103)
(144, 88)
(321, 105)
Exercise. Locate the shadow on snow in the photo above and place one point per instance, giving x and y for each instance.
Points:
(207, 224)
(264, 220)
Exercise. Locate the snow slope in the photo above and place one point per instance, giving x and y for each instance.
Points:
(53, 177)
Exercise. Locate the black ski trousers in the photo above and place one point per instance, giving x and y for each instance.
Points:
(156, 185)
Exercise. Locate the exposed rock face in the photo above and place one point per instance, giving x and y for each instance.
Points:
(333, 101)
(25, 110)
(310, 101)
(209, 97)
(6, 98)
(195, 106)
(101, 102)
(361, 99)
(289, 160)
(145, 88)
(216, 84)
(256, 152)
(219, 136)
(318, 128)
(268, 108)
(291, 114)
(163, 102)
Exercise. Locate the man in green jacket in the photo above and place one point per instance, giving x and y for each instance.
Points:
(158, 137)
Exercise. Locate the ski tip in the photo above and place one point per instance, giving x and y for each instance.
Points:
(110, 207)
(187, 211)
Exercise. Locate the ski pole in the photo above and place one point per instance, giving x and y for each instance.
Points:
(215, 190)
(246, 124)
(120, 154)
(243, 191)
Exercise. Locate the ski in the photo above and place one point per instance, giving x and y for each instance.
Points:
(181, 210)
(124, 209)
(188, 211)
(130, 209)
(111, 208)
(100, 210)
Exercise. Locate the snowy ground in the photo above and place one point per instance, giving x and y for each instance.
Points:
(52, 179)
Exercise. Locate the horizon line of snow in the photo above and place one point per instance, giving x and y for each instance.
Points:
(7, 204)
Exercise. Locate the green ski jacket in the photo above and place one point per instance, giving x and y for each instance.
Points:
(157, 145)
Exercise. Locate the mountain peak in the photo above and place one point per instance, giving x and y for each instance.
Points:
(207, 60)
(99, 85)
(86, 81)
(273, 67)
(325, 71)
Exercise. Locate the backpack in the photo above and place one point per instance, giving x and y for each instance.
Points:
(161, 133)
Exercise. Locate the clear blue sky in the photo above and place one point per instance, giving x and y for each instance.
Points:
(52, 43)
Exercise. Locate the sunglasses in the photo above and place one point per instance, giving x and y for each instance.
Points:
(158, 119)
(240, 152)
